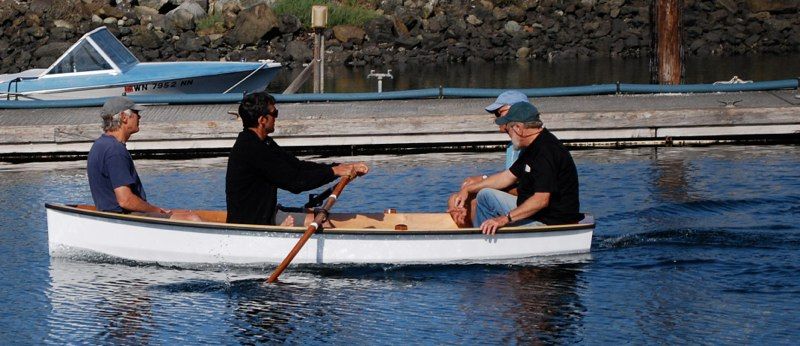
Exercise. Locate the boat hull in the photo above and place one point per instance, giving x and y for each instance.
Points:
(164, 241)
(211, 84)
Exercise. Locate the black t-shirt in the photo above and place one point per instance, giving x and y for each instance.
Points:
(257, 169)
(547, 166)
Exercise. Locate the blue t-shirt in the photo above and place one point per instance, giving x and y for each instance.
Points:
(110, 166)
(512, 154)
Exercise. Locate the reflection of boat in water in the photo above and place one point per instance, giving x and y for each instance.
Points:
(99, 65)
(355, 238)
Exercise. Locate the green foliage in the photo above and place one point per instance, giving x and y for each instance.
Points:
(350, 12)
(211, 21)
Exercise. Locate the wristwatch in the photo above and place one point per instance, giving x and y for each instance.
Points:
(508, 216)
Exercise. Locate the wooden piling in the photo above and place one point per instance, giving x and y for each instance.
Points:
(668, 53)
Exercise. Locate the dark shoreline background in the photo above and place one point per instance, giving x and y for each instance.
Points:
(35, 33)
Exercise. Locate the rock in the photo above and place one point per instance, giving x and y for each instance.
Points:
(58, 23)
(110, 21)
(153, 4)
(400, 28)
(697, 44)
(523, 52)
(289, 24)
(221, 6)
(372, 51)
(511, 27)
(149, 17)
(632, 42)
(147, 39)
(408, 42)
(778, 24)
(754, 28)
(427, 9)
(186, 15)
(299, 51)
(348, 33)
(603, 30)
(252, 24)
(435, 24)
(96, 19)
(189, 42)
(591, 26)
(762, 16)
(379, 30)
(473, 20)
(772, 5)
(110, 11)
(41, 6)
(719, 15)
(729, 5)
(515, 13)
(53, 50)
(499, 14)
(61, 34)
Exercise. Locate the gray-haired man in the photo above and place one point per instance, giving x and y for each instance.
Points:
(113, 179)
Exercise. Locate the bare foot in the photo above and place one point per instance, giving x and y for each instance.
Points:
(289, 221)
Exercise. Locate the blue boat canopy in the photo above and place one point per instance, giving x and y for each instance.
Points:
(97, 51)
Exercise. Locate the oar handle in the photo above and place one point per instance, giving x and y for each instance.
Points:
(319, 219)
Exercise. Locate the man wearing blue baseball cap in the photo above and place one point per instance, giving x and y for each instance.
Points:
(500, 106)
(545, 174)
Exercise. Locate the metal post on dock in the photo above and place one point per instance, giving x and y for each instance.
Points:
(380, 77)
(319, 19)
(668, 53)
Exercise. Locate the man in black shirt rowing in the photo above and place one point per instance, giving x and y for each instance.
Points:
(258, 167)
(546, 177)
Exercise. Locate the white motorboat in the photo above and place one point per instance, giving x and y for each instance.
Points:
(99, 65)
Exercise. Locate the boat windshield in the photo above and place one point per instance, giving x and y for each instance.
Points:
(115, 50)
(84, 55)
(81, 59)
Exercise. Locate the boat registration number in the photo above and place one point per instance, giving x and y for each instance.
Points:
(158, 85)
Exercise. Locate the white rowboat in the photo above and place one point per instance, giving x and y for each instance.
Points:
(356, 238)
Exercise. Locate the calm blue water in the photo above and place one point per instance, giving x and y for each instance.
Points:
(693, 245)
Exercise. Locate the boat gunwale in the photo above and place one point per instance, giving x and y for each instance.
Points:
(299, 230)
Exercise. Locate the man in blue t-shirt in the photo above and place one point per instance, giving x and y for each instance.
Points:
(463, 215)
(113, 179)
(545, 175)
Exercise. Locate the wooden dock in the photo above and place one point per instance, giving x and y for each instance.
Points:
(415, 125)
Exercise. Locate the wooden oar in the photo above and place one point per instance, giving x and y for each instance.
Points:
(319, 219)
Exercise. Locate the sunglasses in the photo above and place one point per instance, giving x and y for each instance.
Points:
(273, 113)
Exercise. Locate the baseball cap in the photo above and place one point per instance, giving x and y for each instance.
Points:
(118, 104)
(509, 97)
(521, 112)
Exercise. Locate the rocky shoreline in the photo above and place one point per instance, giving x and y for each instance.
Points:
(36, 32)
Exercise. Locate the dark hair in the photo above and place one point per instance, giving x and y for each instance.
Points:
(253, 106)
